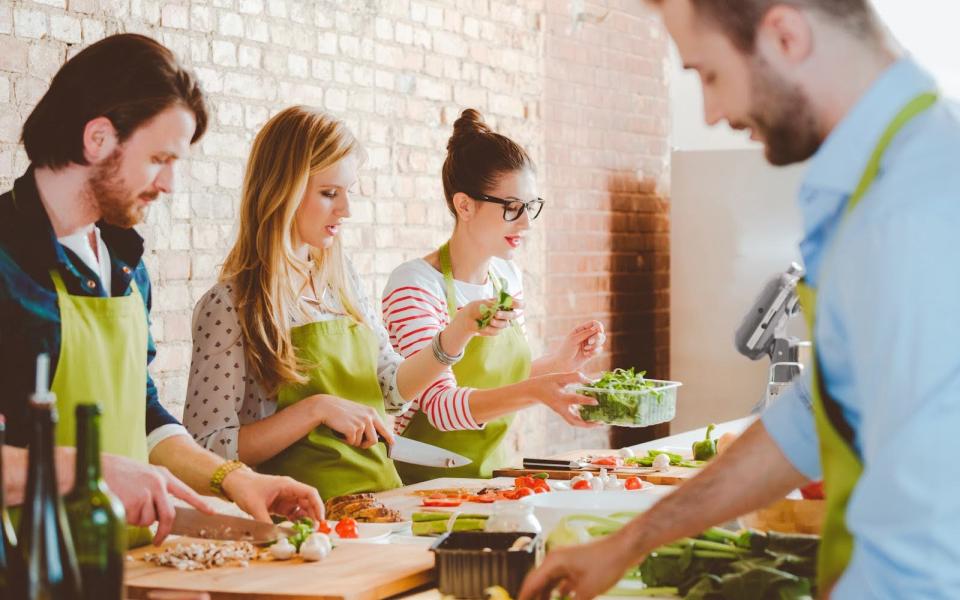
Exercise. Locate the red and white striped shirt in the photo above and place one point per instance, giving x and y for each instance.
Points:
(414, 310)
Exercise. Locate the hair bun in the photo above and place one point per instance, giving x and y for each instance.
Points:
(469, 124)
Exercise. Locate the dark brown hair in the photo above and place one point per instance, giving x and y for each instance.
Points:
(127, 78)
(477, 156)
(739, 19)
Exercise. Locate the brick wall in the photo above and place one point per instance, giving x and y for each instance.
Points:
(399, 72)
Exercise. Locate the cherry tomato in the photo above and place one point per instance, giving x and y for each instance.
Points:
(525, 482)
(607, 461)
(508, 494)
(582, 484)
(323, 526)
(542, 486)
(483, 499)
(347, 528)
(632, 483)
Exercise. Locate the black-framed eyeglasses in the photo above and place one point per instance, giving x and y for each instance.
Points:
(513, 208)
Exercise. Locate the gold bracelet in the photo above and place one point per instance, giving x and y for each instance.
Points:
(216, 480)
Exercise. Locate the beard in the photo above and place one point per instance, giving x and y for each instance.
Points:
(117, 204)
(783, 117)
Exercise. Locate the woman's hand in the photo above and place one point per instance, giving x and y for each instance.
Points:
(358, 424)
(465, 324)
(583, 343)
(550, 390)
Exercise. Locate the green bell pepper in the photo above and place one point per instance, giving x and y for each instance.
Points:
(706, 448)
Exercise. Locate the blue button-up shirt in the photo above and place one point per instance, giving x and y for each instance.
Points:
(888, 323)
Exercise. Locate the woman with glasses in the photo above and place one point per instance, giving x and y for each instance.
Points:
(292, 368)
(491, 191)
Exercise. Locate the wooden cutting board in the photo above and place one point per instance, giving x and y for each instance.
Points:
(350, 572)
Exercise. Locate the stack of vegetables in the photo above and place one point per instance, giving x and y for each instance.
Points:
(716, 565)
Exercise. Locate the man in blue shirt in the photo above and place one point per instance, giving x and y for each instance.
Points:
(881, 212)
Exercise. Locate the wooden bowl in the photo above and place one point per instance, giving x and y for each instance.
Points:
(788, 516)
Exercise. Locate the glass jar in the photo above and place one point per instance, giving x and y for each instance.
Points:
(513, 516)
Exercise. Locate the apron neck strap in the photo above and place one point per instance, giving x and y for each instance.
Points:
(446, 267)
(58, 282)
(913, 108)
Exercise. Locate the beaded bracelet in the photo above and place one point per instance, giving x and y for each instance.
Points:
(216, 480)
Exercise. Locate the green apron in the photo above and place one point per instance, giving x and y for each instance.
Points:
(103, 358)
(345, 355)
(488, 362)
(842, 466)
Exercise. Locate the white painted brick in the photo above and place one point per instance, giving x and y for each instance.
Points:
(146, 11)
(383, 29)
(6, 19)
(29, 23)
(471, 27)
(199, 50)
(335, 100)
(231, 24)
(404, 33)
(343, 72)
(45, 59)
(201, 19)
(433, 89)
(93, 31)
(9, 126)
(258, 31)
(452, 21)
(66, 28)
(388, 56)
(53, 3)
(230, 175)
(422, 38)
(210, 80)
(204, 171)
(245, 85)
(277, 8)
(251, 7)
(173, 15)
(384, 79)
(418, 12)
(4, 92)
(13, 55)
(28, 90)
(275, 60)
(249, 56)
(362, 101)
(434, 16)
(350, 46)
(230, 113)
(255, 116)
(363, 75)
(321, 69)
(298, 66)
(178, 43)
(224, 53)
(448, 43)
(327, 43)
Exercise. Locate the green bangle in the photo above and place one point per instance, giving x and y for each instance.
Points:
(216, 480)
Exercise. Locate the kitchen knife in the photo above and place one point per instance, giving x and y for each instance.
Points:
(193, 523)
(417, 453)
(410, 451)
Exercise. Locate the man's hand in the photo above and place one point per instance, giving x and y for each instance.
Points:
(580, 572)
(145, 491)
(262, 495)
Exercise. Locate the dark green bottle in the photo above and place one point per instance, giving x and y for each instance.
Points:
(44, 542)
(96, 515)
(11, 567)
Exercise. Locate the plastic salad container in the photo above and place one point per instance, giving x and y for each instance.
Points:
(629, 400)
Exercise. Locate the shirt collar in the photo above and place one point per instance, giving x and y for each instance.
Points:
(38, 250)
(839, 163)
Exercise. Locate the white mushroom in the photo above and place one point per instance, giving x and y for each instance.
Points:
(315, 547)
(626, 453)
(283, 549)
(661, 462)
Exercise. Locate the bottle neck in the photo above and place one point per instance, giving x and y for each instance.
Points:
(88, 471)
(42, 474)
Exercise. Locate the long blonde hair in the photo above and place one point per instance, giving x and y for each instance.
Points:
(263, 266)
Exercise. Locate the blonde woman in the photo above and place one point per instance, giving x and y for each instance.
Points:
(292, 369)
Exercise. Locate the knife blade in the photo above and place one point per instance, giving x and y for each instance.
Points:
(418, 453)
(193, 523)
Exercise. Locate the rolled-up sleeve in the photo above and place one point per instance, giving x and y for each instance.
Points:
(789, 421)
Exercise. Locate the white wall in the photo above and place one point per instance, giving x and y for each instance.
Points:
(734, 224)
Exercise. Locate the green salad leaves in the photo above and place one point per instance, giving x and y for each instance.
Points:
(504, 302)
(616, 393)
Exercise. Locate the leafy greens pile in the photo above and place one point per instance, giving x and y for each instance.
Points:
(722, 565)
(504, 303)
(617, 397)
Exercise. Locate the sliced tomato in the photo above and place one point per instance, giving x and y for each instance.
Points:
(523, 492)
(442, 502)
(607, 461)
(323, 526)
(582, 484)
(347, 528)
(813, 491)
(632, 483)
(508, 494)
(541, 486)
(483, 498)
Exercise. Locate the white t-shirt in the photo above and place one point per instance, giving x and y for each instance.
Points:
(99, 263)
(415, 310)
